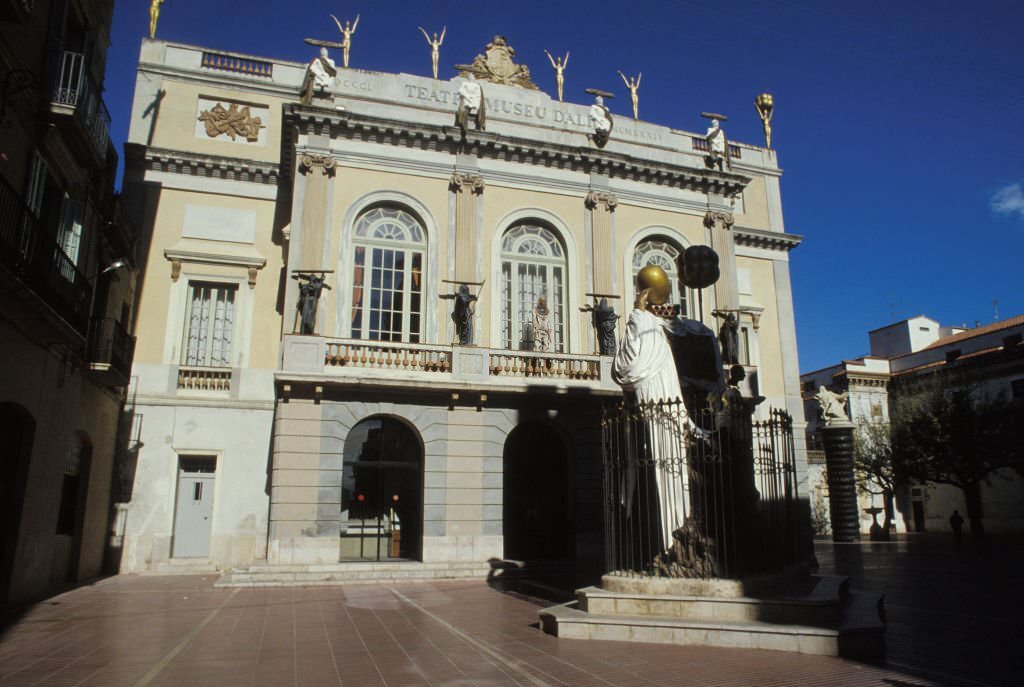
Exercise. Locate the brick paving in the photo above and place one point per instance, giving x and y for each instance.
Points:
(163, 631)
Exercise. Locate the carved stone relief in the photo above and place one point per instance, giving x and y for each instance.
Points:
(711, 218)
(472, 182)
(233, 121)
(609, 200)
(324, 163)
(496, 66)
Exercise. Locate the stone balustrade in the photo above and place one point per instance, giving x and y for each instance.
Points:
(442, 366)
(380, 355)
(204, 378)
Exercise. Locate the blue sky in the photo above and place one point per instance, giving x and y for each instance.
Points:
(898, 124)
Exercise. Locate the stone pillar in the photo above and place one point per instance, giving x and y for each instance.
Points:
(601, 205)
(317, 169)
(467, 189)
(721, 240)
(842, 487)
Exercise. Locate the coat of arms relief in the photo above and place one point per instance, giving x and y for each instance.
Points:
(497, 66)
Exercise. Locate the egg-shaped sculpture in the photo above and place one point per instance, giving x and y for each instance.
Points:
(654, 278)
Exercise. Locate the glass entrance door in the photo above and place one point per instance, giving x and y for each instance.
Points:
(381, 492)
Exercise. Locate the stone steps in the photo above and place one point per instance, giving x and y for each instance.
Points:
(273, 575)
(183, 566)
(815, 615)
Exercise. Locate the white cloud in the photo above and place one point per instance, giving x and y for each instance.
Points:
(1009, 200)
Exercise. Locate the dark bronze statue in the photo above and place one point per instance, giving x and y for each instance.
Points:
(311, 285)
(462, 314)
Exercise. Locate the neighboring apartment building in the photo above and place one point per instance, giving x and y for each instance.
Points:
(988, 359)
(378, 438)
(66, 293)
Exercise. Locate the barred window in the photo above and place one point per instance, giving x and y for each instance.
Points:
(209, 324)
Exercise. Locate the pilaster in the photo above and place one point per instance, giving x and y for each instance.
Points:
(601, 205)
(468, 189)
(722, 241)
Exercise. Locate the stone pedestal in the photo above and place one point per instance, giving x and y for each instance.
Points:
(842, 487)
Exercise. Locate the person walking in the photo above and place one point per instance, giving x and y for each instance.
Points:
(956, 521)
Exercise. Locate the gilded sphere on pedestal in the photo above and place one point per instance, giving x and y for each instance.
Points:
(654, 278)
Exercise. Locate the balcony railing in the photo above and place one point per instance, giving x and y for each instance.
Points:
(74, 88)
(38, 260)
(111, 348)
(238, 65)
(192, 378)
(432, 365)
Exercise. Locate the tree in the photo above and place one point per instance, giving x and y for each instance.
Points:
(957, 437)
(874, 466)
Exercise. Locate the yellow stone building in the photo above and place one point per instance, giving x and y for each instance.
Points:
(379, 444)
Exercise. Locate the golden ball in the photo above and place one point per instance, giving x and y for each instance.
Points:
(654, 278)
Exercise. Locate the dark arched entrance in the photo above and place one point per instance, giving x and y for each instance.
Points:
(537, 509)
(382, 492)
(17, 429)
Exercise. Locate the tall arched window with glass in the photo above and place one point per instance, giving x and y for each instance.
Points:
(665, 254)
(533, 289)
(387, 276)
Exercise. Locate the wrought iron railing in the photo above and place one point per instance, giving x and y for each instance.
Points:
(110, 344)
(712, 495)
(74, 87)
(41, 262)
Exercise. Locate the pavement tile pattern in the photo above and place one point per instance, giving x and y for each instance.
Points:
(181, 631)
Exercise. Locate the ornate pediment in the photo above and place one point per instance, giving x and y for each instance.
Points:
(496, 65)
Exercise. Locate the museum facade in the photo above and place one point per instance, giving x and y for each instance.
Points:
(366, 333)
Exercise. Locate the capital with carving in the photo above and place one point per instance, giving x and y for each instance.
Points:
(462, 182)
(325, 163)
(724, 219)
(595, 198)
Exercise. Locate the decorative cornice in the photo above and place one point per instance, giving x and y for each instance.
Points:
(595, 198)
(772, 240)
(723, 219)
(311, 120)
(462, 181)
(210, 166)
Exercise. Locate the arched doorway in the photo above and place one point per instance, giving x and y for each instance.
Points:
(537, 510)
(382, 492)
(17, 427)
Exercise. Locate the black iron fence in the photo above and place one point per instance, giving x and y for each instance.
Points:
(40, 262)
(707, 495)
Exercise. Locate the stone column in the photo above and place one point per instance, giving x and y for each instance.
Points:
(467, 189)
(601, 205)
(842, 487)
(721, 240)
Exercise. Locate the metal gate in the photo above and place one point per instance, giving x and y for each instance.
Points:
(705, 495)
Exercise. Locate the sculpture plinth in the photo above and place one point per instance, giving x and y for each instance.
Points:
(842, 486)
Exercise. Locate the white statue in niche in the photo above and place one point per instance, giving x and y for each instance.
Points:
(471, 105)
(322, 70)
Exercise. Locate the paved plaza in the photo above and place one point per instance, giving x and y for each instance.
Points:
(950, 622)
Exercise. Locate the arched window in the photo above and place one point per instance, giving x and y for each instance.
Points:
(387, 276)
(665, 254)
(533, 289)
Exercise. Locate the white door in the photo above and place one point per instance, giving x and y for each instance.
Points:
(194, 511)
